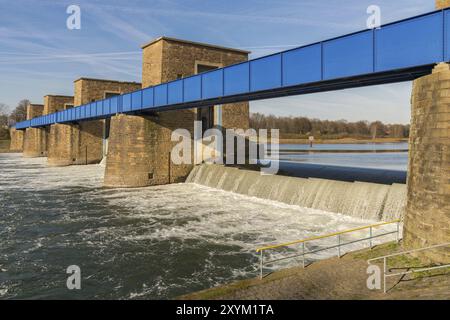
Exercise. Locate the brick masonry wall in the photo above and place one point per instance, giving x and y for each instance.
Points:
(62, 139)
(54, 103)
(427, 218)
(82, 143)
(16, 140)
(140, 146)
(442, 4)
(35, 143)
(35, 139)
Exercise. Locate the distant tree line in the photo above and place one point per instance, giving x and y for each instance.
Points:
(8, 119)
(303, 126)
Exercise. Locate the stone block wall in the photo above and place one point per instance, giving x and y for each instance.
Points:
(442, 4)
(82, 143)
(35, 139)
(142, 144)
(16, 140)
(89, 90)
(427, 218)
(55, 145)
(54, 103)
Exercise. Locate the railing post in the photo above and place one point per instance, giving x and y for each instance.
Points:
(370, 240)
(339, 245)
(384, 274)
(398, 231)
(303, 254)
(261, 265)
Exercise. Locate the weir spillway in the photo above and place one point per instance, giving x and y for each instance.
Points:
(371, 201)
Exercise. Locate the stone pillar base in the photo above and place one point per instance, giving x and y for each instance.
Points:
(76, 144)
(35, 143)
(427, 218)
(140, 146)
(16, 140)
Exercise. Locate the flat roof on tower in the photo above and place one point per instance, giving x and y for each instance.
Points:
(194, 43)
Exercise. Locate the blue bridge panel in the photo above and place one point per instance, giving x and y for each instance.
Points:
(99, 108)
(447, 35)
(175, 89)
(114, 105)
(236, 79)
(411, 43)
(212, 84)
(192, 90)
(106, 106)
(265, 73)
(147, 97)
(302, 65)
(348, 56)
(161, 95)
(126, 102)
(136, 100)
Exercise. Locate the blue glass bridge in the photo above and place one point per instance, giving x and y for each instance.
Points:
(399, 51)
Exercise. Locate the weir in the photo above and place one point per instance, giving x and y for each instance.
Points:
(363, 200)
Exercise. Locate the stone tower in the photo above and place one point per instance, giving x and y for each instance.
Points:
(140, 146)
(83, 143)
(427, 217)
(34, 144)
(17, 137)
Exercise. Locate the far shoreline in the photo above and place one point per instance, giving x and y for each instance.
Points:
(342, 140)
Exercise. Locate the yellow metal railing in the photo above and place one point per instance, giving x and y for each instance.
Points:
(334, 234)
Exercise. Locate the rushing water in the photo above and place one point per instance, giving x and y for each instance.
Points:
(154, 243)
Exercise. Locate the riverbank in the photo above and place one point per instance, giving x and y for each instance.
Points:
(335, 278)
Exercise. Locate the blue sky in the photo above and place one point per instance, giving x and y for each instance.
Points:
(39, 55)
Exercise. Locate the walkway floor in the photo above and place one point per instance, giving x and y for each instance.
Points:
(336, 278)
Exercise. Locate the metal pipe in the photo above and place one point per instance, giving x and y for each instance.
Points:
(303, 245)
(261, 266)
(384, 274)
(339, 245)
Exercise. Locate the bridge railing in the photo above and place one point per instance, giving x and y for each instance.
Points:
(386, 273)
(339, 243)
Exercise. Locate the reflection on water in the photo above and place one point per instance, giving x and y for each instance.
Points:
(156, 242)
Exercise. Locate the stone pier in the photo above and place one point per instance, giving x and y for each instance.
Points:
(83, 143)
(16, 140)
(35, 139)
(55, 103)
(140, 146)
(427, 218)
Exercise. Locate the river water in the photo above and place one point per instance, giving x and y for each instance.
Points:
(388, 156)
(153, 243)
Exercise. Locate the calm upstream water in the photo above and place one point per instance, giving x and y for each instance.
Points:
(395, 160)
(152, 243)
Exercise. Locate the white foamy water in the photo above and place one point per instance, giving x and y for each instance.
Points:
(155, 242)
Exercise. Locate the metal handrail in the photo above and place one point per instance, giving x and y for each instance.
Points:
(386, 274)
(338, 246)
